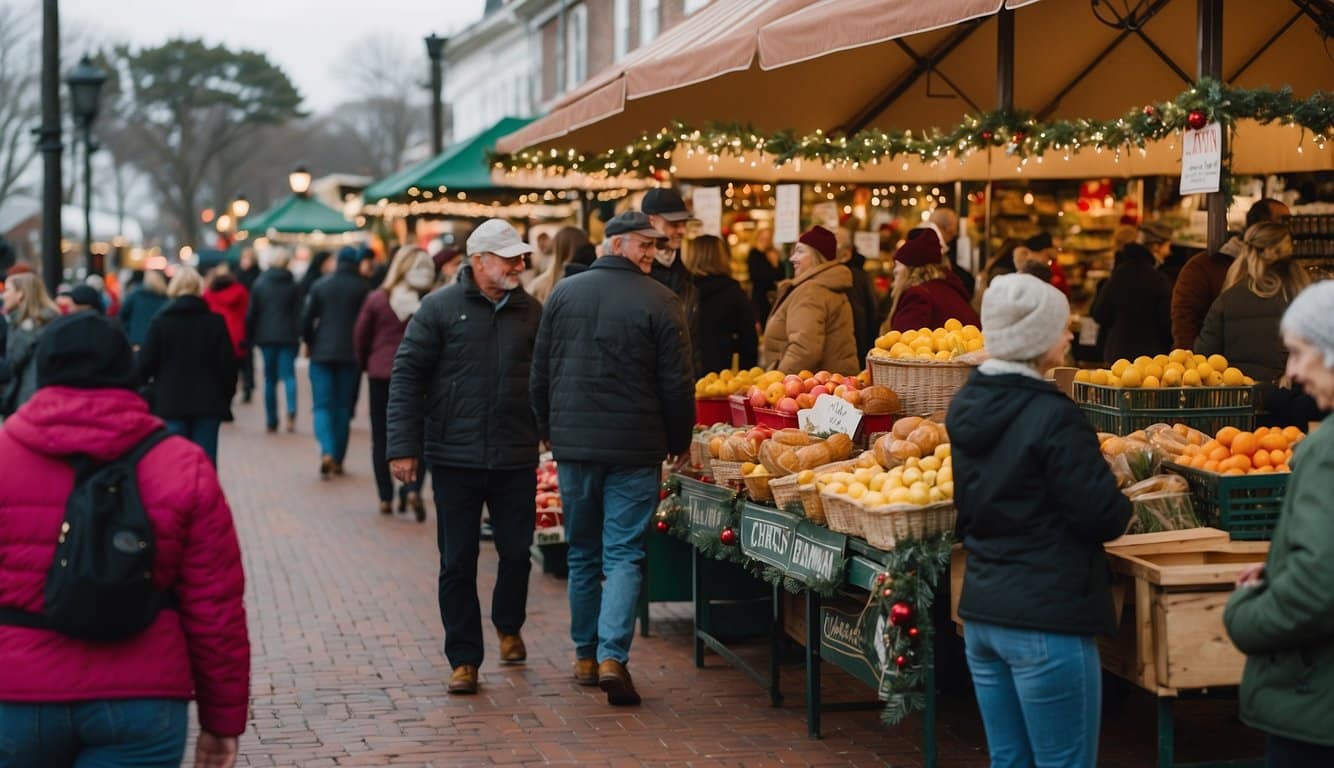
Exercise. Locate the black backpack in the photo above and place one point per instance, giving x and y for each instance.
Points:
(99, 587)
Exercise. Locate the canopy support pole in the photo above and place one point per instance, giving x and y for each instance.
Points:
(1209, 63)
(1005, 60)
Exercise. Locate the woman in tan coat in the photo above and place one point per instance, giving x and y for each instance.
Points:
(810, 326)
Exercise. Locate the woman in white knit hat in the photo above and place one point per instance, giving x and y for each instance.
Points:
(1282, 614)
(1036, 501)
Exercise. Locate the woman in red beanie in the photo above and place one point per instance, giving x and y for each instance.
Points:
(926, 293)
(810, 326)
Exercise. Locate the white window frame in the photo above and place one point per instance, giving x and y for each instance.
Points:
(576, 46)
(650, 20)
(621, 25)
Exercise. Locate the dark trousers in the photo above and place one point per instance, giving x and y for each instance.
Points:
(459, 496)
(384, 482)
(246, 366)
(1290, 753)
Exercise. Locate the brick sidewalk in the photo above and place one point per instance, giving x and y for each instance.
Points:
(348, 666)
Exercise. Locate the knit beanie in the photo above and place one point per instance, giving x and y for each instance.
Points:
(1022, 317)
(822, 240)
(86, 351)
(921, 250)
(1311, 316)
(349, 254)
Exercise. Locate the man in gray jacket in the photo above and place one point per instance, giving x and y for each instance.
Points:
(614, 393)
(461, 373)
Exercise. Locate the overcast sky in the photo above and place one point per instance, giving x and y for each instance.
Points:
(304, 37)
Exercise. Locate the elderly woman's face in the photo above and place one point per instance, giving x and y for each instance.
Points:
(1306, 365)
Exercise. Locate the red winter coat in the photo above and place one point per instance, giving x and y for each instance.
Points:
(231, 300)
(199, 651)
(930, 304)
(377, 334)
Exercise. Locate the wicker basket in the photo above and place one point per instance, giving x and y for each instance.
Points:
(922, 386)
(887, 526)
(842, 515)
(726, 471)
(699, 452)
(758, 487)
(786, 490)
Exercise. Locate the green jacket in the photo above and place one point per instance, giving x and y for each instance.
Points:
(1285, 626)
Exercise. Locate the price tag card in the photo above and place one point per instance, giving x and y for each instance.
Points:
(708, 204)
(787, 213)
(830, 414)
(1201, 159)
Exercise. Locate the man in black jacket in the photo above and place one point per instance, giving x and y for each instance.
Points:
(330, 315)
(668, 215)
(273, 323)
(612, 390)
(462, 372)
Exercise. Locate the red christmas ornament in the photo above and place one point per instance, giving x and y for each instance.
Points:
(662, 494)
(913, 632)
(1018, 137)
(880, 578)
(986, 136)
(728, 537)
(663, 526)
(901, 661)
(888, 592)
(1197, 119)
(900, 614)
(1151, 111)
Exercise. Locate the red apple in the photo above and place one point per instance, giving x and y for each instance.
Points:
(757, 398)
(822, 377)
(819, 390)
(789, 406)
(809, 384)
(792, 386)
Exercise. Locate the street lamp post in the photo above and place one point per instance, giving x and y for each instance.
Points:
(435, 48)
(85, 86)
(48, 138)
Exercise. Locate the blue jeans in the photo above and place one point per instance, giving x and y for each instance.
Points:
(333, 386)
(1040, 694)
(201, 431)
(607, 510)
(113, 733)
(279, 364)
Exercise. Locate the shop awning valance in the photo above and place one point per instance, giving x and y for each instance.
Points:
(298, 215)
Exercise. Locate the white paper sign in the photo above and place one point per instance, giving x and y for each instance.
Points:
(867, 244)
(830, 414)
(708, 204)
(787, 213)
(1201, 159)
(825, 214)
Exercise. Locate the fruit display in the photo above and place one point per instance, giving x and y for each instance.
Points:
(1161, 503)
(911, 438)
(1132, 458)
(793, 392)
(917, 481)
(548, 496)
(724, 383)
(792, 450)
(1236, 452)
(739, 444)
(946, 343)
(1179, 368)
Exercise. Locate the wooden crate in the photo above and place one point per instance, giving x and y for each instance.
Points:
(1175, 584)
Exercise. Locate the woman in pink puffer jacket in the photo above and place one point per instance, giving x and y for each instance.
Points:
(64, 700)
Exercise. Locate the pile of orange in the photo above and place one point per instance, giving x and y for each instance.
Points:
(1237, 452)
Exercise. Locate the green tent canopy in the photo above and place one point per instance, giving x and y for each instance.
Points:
(298, 215)
(462, 167)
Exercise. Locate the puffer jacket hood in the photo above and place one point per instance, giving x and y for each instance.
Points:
(981, 414)
(228, 293)
(64, 421)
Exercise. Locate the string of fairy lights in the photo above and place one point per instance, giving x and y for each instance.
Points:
(1019, 134)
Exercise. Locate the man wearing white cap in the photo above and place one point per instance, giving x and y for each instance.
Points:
(461, 373)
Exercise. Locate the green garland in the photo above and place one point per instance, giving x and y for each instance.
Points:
(1018, 133)
(912, 571)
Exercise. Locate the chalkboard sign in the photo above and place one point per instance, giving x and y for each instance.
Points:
(854, 642)
(817, 554)
(708, 509)
(767, 535)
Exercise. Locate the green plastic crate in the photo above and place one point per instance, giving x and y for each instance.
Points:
(1246, 506)
(1121, 411)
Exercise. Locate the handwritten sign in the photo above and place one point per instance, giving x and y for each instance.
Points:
(817, 554)
(708, 204)
(855, 642)
(708, 509)
(867, 244)
(830, 414)
(767, 535)
(1201, 159)
(787, 213)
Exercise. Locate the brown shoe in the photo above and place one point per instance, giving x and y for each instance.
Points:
(614, 680)
(326, 467)
(386, 508)
(464, 679)
(586, 672)
(512, 649)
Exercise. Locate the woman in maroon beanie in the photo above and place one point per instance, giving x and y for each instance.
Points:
(926, 292)
(810, 326)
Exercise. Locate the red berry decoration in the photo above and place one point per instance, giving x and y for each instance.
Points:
(1197, 119)
(913, 632)
(900, 614)
(888, 592)
(1151, 111)
(664, 526)
(986, 136)
(728, 537)
(1018, 137)
(662, 494)
(901, 661)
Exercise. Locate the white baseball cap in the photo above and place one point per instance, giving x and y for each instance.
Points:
(498, 237)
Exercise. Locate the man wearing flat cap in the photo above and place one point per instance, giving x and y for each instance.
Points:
(460, 386)
(1134, 307)
(613, 391)
(667, 213)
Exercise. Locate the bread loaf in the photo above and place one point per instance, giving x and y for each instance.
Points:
(840, 446)
(795, 437)
(813, 456)
(879, 400)
(904, 426)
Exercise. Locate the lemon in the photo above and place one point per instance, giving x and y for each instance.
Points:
(1099, 377)
(1180, 356)
(912, 475)
(1215, 380)
(943, 452)
(805, 477)
(971, 332)
(1132, 377)
(1218, 363)
(1198, 360)
(898, 496)
(945, 475)
(947, 488)
(1142, 361)
(747, 468)
(836, 488)
(1084, 375)
(919, 494)
(1205, 370)
(1172, 377)
(1119, 367)
(929, 477)
(863, 475)
(953, 324)
(928, 463)
(1233, 377)
(1150, 382)
(1247, 381)
(1191, 378)
(974, 345)
(1162, 360)
(935, 496)
(873, 499)
(857, 490)
(878, 482)
(1153, 369)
